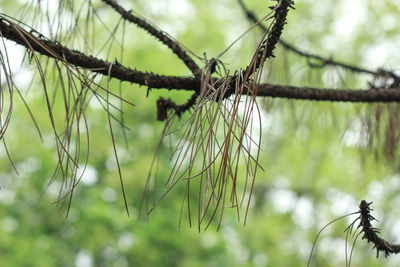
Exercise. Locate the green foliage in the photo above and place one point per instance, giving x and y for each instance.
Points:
(314, 171)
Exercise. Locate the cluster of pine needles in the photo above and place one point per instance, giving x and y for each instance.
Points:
(62, 81)
(222, 133)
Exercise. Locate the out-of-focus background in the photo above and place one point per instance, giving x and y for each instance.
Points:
(315, 155)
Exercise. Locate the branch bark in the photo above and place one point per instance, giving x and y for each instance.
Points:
(57, 51)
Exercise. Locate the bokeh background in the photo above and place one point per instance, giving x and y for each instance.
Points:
(317, 162)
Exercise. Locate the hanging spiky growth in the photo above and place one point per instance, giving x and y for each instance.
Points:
(371, 233)
(364, 229)
(222, 134)
(382, 120)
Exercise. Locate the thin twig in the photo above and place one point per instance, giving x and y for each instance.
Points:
(371, 233)
(324, 61)
(159, 34)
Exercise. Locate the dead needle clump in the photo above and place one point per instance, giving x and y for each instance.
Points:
(222, 134)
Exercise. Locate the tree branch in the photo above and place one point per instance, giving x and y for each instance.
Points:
(324, 61)
(55, 50)
(172, 44)
(159, 34)
(334, 95)
(268, 45)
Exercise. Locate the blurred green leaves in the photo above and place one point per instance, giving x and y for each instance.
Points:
(312, 174)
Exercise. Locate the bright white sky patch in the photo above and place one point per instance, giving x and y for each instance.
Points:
(378, 54)
(341, 202)
(303, 215)
(84, 259)
(179, 9)
(356, 135)
(89, 177)
(354, 13)
(283, 200)
(176, 7)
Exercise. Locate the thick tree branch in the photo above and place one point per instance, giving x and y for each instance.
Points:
(335, 95)
(159, 34)
(55, 50)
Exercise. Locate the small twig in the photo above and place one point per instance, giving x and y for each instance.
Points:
(163, 105)
(324, 61)
(267, 47)
(371, 233)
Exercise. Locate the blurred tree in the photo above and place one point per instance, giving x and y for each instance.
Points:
(81, 52)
